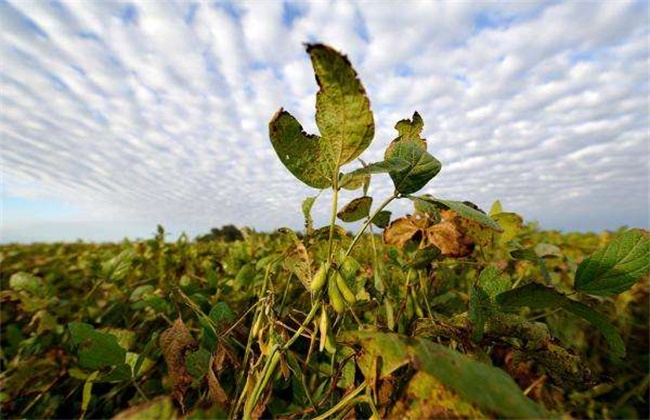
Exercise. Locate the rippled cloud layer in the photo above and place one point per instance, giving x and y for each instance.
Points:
(131, 114)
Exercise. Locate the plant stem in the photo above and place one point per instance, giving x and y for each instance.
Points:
(335, 198)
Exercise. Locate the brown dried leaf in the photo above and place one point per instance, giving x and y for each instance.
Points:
(449, 236)
(174, 342)
(404, 229)
(216, 393)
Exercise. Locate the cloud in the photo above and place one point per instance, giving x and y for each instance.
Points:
(151, 112)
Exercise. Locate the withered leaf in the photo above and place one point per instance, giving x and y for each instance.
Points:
(174, 342)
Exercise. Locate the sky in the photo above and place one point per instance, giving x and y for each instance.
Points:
(118, 116)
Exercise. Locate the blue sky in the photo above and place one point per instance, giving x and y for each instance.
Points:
(117, 116)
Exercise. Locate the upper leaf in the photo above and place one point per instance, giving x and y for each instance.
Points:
(413, 149)
(343, 112)
(354, 179)
(616, 267)
(300, 152)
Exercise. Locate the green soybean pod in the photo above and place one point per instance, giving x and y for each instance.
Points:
(319, 279)
(335, 296)
(344, 289)
(323, 327)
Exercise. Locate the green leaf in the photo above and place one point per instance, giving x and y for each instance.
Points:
(119, 266)
(464, 210)
(616, 267)
(381, 219)
(119, 373)
(488, 387)
(221, 313)
(198, 363)
(96, 350)
(537, 296)
(510, 223)
(26, 282)
(603, 325)
(409, 146)
(496, 208)
(300, 152)
(343, 112)
(423, 257)
(493, 282)
(355, 179)
(479, 303)
(356, 209)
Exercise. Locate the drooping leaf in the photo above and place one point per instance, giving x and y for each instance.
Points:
(95, 349)
(356, 209)
(300, 152)
(537, 296)
(410, 147)
(464, 211)
(616, 267)
(343, 114)
(381, 219)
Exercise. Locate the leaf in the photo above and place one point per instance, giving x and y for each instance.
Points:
(95, 349)
(493, 281)
(510, 224)
(410, 147)
(537, 296)
(616, 267)
(423, 257)
(22, 281)
(221, 313)
(198, 363)
(449, 236)
(343, 114)
(402, 230)
(381, 219)
(174, 343)
(470, 378)
(464, 211)
(495, 209)
(119, 266)
(307, 204)
(479, 303)
(300, 152)
(356, 209)
(355, 179)
(488, 387)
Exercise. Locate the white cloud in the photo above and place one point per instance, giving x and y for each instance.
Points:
(151, 112)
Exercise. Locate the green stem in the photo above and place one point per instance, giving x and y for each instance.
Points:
(369, 220)
(335, 198)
